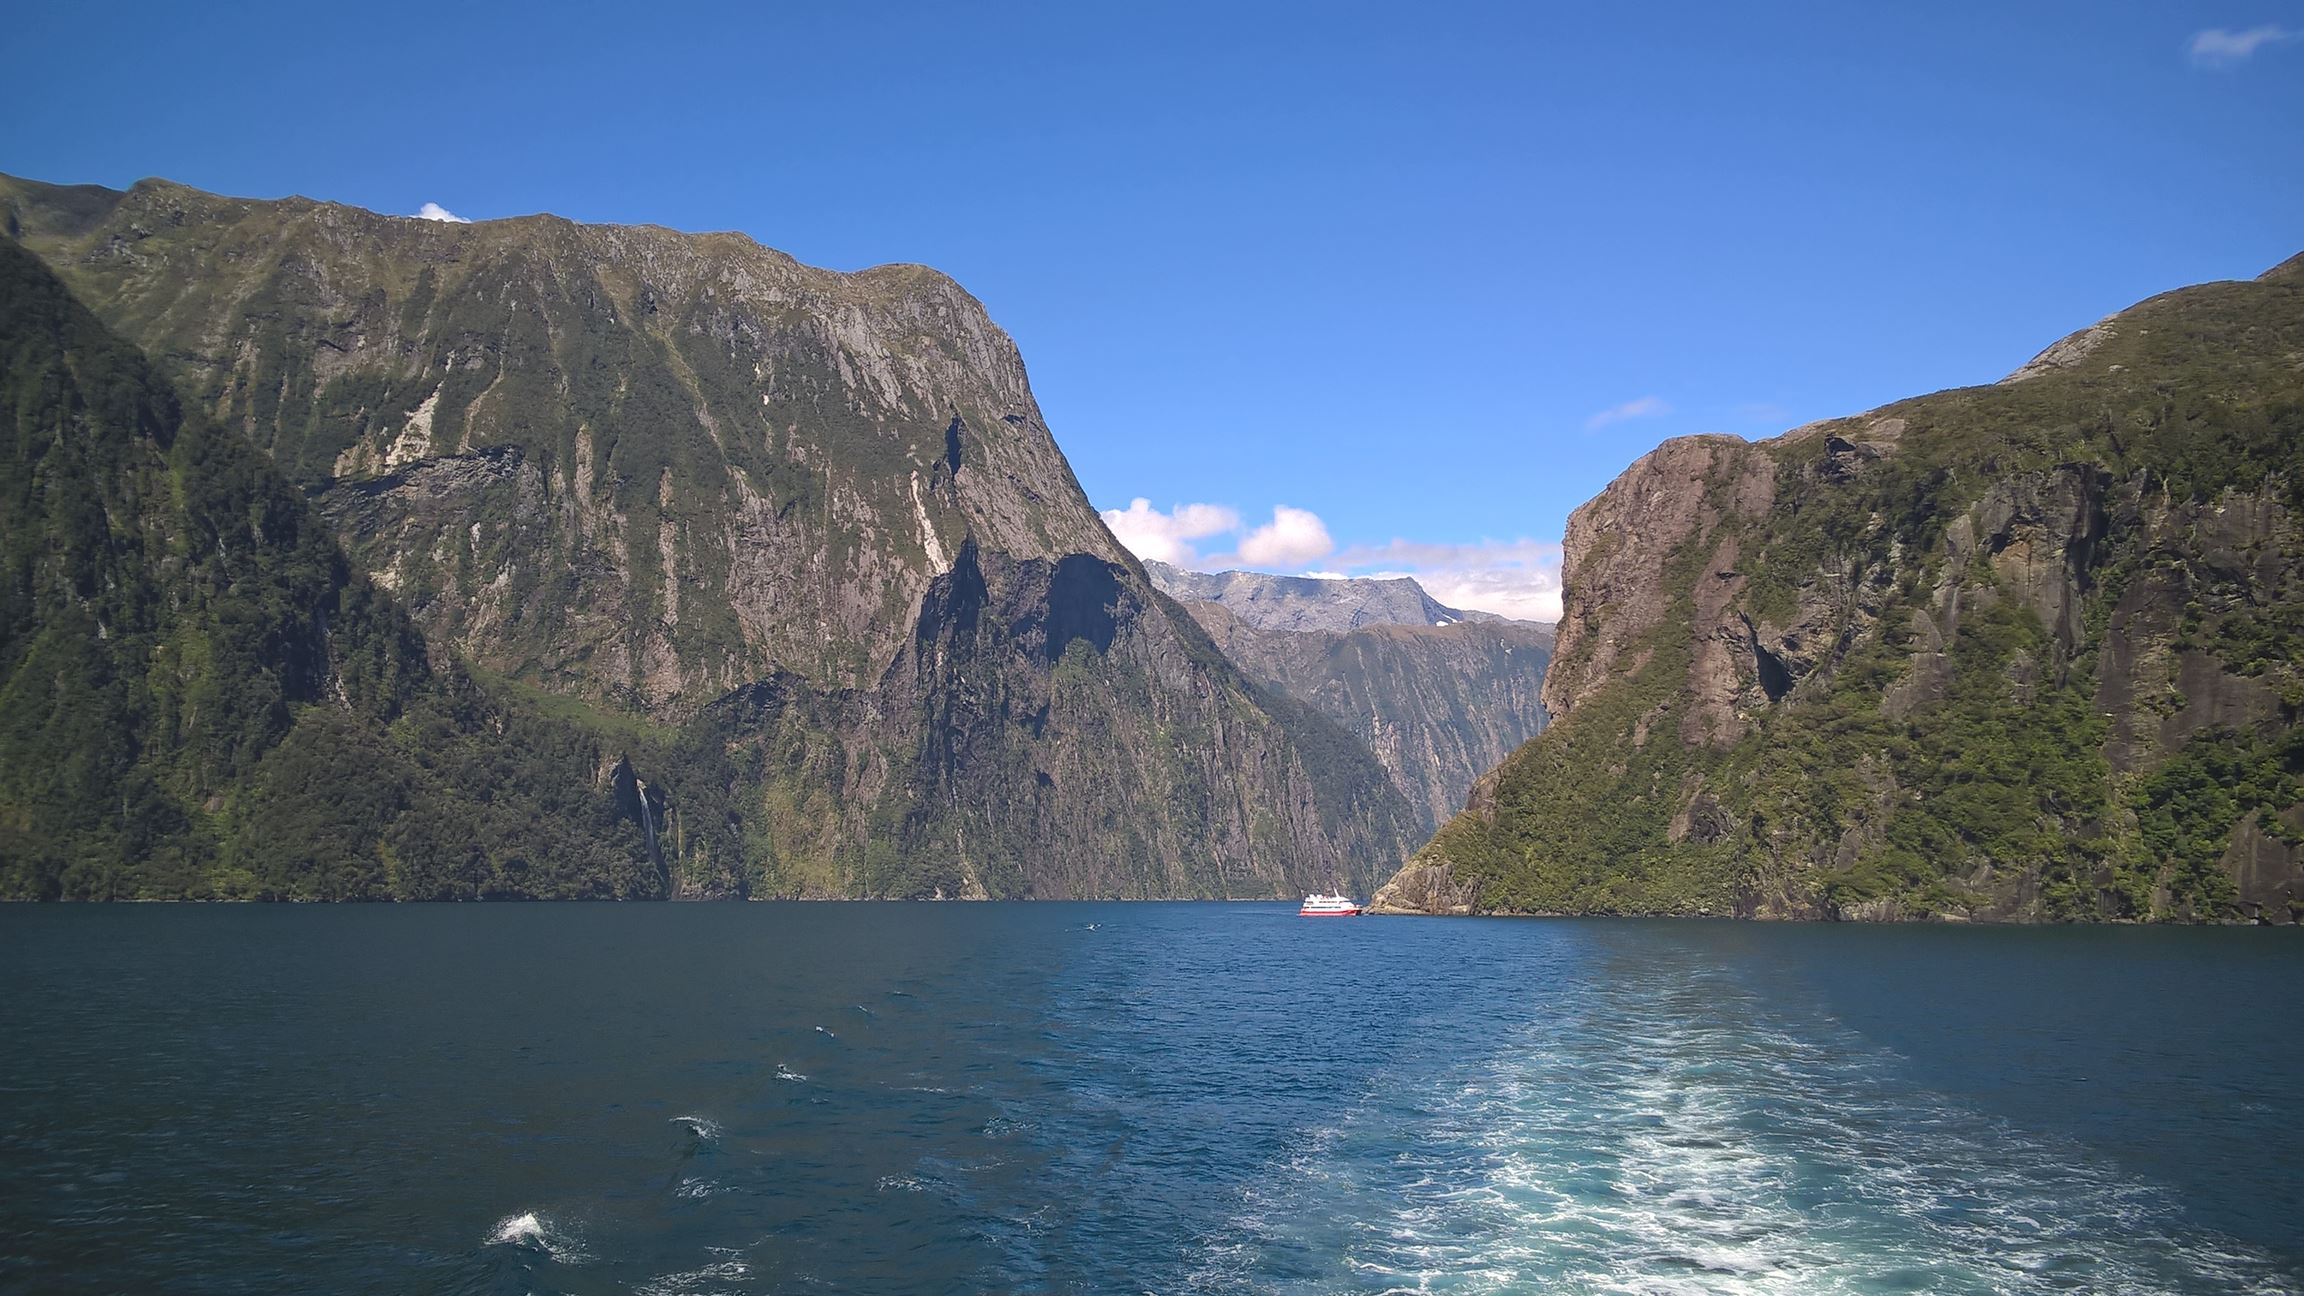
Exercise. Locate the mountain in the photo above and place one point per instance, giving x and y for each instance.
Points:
(808, 530)
(1438, 695)
(200, 697)
(1438, 705)
(2024, 652)
(1268, 602)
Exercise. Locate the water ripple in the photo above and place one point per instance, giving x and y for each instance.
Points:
(1692, 1142)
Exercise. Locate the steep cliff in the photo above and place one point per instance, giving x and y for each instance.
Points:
(655, 479)
(1026, 714)
(1438, 694)
(621, 462)
(2026, 652)
(1438, 705)
(200, 697)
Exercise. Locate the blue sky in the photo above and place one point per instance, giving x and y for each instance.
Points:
(1426, 276)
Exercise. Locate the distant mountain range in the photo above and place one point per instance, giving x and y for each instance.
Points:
(1270, 602)
(1438, 694)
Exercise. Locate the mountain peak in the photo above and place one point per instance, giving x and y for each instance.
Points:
(1271, 602)
(2290, 269)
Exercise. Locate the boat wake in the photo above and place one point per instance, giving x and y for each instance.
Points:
(720, 1276)
(1700, 1149)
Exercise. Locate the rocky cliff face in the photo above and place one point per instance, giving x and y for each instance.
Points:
(1017, 717)
(199, 696)
(1438, 704)
(2020, 652)
(1438, 694)
(663, 478)
(618, 461)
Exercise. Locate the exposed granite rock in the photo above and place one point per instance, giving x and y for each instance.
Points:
(1617, 545)
(2268, 870)
(2066, 353)
(1425, 889)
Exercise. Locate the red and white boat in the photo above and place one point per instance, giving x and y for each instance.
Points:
(1329, 906)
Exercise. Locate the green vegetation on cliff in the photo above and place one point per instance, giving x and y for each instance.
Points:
(199, 698)
(680, 498)
(2019, 652)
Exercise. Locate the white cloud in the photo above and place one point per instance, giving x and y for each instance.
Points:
(1293, 536)
(1522, 596)
(2217, 47)
(433, 211)
(1166, 537)
(1637, 408)
(1514, 578)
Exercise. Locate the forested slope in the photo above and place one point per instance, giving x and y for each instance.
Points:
(200, 697)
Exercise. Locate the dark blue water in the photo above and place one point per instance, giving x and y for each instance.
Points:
(1129, 1098)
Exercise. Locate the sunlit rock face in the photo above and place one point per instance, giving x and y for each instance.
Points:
(1438, 705)
(2025, 652)
(671, 478)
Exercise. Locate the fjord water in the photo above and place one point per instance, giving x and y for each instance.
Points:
(1141, 1097)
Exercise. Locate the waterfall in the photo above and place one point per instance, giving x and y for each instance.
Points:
(633, 802)
(648, 821)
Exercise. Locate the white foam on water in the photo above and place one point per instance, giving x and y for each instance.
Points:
(694, 1187)
(788, 1075)
(825, 1033)
(518, 1230)
(720, 1276)
(1695, 1148)
(533, 1231)
(703, 1127)
(900, 1183)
